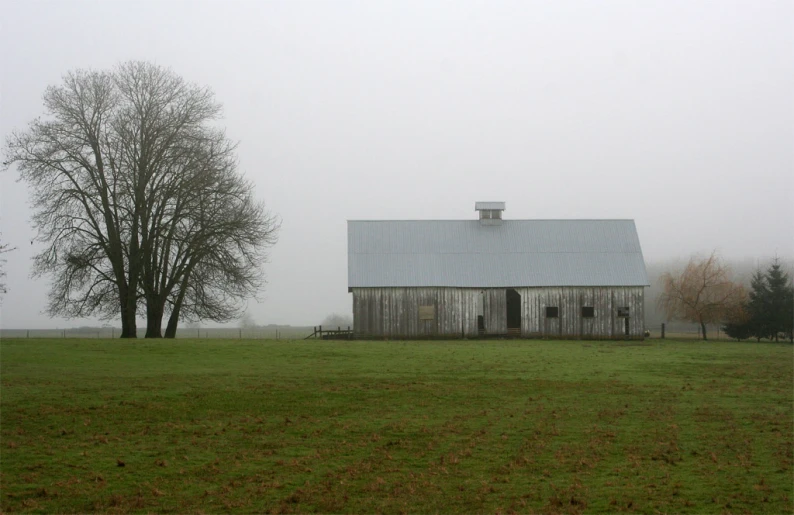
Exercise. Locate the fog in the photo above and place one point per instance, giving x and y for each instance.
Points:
(679, 115)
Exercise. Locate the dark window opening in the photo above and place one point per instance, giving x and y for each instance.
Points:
(552, 312)
(623, 312)
(588, 311)
(626, 326)
(513, 303)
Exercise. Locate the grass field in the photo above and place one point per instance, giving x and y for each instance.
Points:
(466, 426)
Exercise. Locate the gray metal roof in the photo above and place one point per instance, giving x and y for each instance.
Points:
(489, 205)
(466, 254)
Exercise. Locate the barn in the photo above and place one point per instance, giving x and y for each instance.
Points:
(488, 276)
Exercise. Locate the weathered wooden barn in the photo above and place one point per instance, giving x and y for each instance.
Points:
(577, 279)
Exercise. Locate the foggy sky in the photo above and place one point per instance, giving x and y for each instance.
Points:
(676, 114)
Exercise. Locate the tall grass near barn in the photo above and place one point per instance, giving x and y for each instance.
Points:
(276, 426)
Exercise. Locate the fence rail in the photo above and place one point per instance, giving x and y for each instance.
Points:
(331, 334)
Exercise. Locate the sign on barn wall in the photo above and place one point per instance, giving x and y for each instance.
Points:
(427, 312)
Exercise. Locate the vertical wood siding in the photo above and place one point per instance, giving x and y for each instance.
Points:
(570, 323)
(394, 312)
(495, 311)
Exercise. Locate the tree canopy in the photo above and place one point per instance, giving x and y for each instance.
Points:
(702, 293)
(137, 197)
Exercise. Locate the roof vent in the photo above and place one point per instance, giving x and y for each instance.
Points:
(490, 212)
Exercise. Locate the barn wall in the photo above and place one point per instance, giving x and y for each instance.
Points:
(570, 323)
(495, 310)
(394, 312)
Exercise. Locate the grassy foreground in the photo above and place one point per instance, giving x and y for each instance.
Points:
(466, 426)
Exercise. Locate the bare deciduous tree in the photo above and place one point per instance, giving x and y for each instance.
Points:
(121, 170)
(224, 265)
(208, 254)
(702, 293)
(70, 160)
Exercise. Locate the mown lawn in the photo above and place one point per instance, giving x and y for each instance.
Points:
(464, 426)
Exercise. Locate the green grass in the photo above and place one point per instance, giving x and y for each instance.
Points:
(465, 426)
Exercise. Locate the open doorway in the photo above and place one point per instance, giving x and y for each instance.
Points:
(481, 313)
(623, 313)
(513, 303)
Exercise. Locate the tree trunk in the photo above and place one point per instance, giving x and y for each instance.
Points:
(173, 320)
(132, 324)
(703, 328)
(129, 308)
(155, 307)
(154, 321)
(129, 326)
(125, 329)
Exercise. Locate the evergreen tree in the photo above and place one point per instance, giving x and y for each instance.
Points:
(738, 323)
(741, 330)
(758, 308)
(779, 292)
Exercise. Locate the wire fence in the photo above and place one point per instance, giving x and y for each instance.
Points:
(216, 333)
(684, 331)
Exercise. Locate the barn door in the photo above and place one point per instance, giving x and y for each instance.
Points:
(513, 312)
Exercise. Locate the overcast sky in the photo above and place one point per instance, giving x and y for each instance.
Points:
(679, 115)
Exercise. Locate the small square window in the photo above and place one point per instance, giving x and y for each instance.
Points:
(623, 312)
(552, 312)
(588, 311)
(427, 312)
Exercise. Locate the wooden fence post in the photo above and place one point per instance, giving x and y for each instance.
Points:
(662, 330)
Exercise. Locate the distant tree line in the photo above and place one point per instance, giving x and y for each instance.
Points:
(137, 197)
(706, 293)
(338, 320)
(768, 311)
